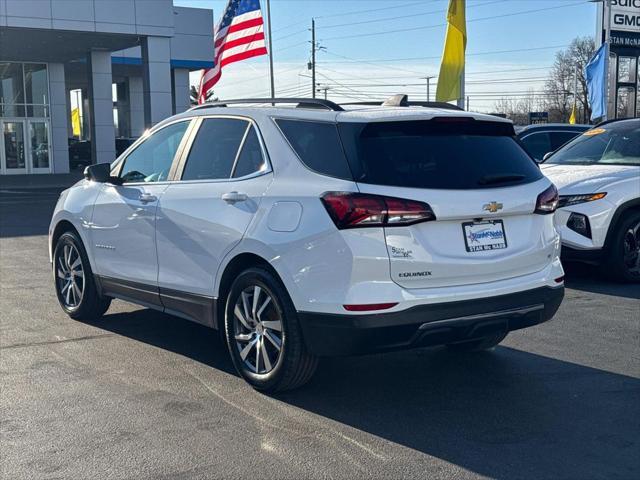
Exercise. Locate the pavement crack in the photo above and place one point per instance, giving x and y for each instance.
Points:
(51, 342)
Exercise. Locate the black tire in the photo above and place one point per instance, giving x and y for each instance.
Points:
(90, 305)
(291, 365)
(618, 264)
(478, 344)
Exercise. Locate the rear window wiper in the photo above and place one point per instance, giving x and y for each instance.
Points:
(504, 178)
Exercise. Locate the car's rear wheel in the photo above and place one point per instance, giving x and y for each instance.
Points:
(622, 261)
(263, 334)
(478, 344)
(75, 287)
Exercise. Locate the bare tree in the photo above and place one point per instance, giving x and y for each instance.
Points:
(560, 84)
(517, 109)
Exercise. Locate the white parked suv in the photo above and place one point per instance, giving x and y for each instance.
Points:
(315, 231)
(598, 175)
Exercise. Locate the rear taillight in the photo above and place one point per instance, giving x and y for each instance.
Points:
(547, 201)
(357, 210)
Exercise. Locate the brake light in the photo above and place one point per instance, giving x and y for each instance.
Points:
(357, 210)
(547, 201)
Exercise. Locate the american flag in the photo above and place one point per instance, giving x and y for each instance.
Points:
(239, 35)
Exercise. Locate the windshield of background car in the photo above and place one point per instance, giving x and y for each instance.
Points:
(613, 144)
(443, 153)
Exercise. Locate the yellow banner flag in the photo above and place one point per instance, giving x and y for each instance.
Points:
(572, 118)
(75, 122)
(453, 55)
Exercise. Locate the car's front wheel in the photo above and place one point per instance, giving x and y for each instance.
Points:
(263, 334)
(75, 287)
(622, 262)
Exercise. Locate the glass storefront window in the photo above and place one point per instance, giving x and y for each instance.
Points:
(36, 84)
(626, 69)
(11, 83)
(24, 118)
(24, 89)
(626, 102)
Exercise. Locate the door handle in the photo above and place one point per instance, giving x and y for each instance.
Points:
(233, 197)
(147, 197)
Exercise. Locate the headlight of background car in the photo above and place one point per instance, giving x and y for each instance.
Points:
(567, 200)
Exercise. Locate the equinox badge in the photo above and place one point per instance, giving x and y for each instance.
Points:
(492, 207)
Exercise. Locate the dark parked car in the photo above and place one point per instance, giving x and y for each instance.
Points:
(80, 151)
(539, 140)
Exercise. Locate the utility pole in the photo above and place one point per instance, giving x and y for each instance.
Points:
(467, 103)
(313, 58)
(323, 89)
(273, 89)
(428, 79)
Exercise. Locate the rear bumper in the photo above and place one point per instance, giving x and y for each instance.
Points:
(425, 325)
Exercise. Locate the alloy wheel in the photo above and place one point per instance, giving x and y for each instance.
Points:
(631, 252)
(70, 275)
(257, 330)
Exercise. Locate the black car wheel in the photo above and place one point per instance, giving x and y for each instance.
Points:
(74, 282)
(622, 261)
(263, 334)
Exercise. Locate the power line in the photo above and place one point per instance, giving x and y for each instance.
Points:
(297, 32)
(492, 17)
(358, 12)
(488, 52)
(388, 19)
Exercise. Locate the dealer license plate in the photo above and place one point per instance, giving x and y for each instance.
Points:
(486, 235)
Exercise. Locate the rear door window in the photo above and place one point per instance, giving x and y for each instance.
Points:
(317, 144)
(250, 159)
(538, 144)
(437, 154)
(214, 149)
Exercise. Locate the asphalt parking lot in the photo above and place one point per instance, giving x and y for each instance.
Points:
(145, 395)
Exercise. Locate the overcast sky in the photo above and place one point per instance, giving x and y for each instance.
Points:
(374, 48)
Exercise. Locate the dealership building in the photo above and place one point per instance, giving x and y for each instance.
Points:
(93, 70)
(621, 18)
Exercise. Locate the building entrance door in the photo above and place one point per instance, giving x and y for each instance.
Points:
(13, 153)
(24, 146)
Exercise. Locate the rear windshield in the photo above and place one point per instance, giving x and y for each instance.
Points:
(434, 154)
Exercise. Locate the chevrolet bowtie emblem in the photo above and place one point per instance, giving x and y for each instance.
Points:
(492, 207)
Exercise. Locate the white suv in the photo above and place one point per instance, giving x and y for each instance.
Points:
(598, 175)
(314, 231)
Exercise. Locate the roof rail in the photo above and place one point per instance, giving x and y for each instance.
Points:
(301, 103)
(401, 100)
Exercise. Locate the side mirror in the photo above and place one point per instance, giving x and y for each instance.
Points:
(546, 155)
(101, 173)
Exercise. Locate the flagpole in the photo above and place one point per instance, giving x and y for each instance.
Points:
(461, 99)
(273, 89)
(607, 39)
